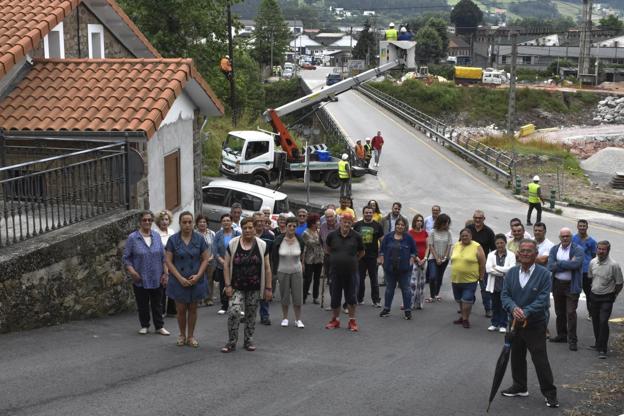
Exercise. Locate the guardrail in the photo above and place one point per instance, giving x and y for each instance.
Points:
(494, 160)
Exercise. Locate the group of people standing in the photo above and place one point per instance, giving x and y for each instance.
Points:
(369, 151)
(514, 272)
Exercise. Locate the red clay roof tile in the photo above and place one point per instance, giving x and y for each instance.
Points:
(103, 95)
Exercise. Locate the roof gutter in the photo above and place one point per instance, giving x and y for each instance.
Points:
(95, 136)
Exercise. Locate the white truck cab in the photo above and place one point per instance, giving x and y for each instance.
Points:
(249, 156)
(495, 76)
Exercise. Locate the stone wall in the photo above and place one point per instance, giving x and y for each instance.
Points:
(71, 273)
(76, 37)
(610, 110)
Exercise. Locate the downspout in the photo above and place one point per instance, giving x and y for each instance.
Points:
(78, 31)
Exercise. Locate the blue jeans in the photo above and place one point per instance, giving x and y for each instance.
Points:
(486, 297)
(404, 283)
(435, 274)
(499, 315)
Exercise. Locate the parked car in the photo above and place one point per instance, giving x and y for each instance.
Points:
(289, 65)
(287, 73)
(308, 65)
(333, 78)
(219, 195)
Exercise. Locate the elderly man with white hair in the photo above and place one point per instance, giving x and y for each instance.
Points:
(565, 262)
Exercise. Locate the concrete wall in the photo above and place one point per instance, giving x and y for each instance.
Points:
(71, 273)
(177, 134)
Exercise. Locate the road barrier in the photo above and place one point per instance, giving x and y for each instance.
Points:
(496, 161)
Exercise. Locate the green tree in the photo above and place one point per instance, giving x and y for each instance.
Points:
(366, 46)
(466, 16)
(271, 34)
(308, 15)
(611, 22)
(440, 26)
(428, 45)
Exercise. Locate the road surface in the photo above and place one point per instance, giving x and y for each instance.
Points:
(426, 366)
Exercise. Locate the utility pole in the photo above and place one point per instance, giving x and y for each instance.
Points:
(231, 53)
(585, 41)
(511, 108)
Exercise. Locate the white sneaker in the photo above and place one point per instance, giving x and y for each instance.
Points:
(345, 310)
(221, 312)
(502, 330)
(492, 328)
(242, 313)
(299, 324)
(163, 331)
(284, 322)
(143, 331)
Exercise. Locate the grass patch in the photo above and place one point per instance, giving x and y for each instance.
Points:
(482, 105)
(557, 155)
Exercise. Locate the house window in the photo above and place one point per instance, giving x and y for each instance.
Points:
(525, 60)
(172, 181)
(503, 59)
(96, 41)
(53, 44)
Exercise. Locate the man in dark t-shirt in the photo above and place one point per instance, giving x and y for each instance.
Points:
(483, 235)
(345, 248)
(371, 232)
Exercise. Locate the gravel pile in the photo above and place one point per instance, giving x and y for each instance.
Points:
(608, 160)
(610, 110)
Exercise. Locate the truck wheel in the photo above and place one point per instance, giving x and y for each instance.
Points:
(332, 180)
(258, 180)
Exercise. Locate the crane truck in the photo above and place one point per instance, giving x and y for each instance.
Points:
(255, 156)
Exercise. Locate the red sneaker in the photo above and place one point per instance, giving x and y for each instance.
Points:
(353, 326)
(333, 324)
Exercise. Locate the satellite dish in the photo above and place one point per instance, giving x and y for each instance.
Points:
(136, 166)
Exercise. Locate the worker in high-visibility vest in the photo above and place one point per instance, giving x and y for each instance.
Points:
(535, 199)
(368, 150)
(391, 32)
(344, 174)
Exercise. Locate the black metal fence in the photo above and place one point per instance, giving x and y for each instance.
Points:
(51, 193)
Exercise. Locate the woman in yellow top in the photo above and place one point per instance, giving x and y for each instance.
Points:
(467, 268)
(377, 216)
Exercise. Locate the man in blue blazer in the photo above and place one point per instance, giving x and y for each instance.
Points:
(526, 296)
(565, 262)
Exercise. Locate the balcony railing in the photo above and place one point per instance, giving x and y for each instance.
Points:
(47, 194)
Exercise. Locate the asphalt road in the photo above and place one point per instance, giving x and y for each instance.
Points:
(426, 366)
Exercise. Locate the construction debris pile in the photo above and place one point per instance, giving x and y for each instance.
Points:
(610, 110)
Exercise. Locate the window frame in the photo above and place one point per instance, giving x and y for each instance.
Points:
(91, 29)
(46, 42)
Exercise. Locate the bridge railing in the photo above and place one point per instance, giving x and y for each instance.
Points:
(496, 161)
(47, 194)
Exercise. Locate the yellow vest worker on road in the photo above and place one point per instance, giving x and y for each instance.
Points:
(535, 199)
(391, 32)
(344, 174)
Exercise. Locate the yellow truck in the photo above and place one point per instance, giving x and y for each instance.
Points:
(468, 75)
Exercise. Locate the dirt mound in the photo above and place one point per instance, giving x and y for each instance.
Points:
(608, 160)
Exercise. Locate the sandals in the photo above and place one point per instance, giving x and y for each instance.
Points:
(192, 342)
(181, 341)
(250, 347)
(228, 349)
(438, 299)
(428, 300)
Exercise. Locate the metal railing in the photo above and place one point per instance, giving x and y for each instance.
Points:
(492, 159)
(47, 194)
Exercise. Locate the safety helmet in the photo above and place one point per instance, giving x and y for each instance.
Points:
(345, 156)
(536, 178)
(403, 30)
(368, 139)
(391, 24)
(227, 56)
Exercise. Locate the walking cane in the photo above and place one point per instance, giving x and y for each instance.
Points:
(323, 278)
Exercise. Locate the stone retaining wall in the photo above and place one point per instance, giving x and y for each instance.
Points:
(67, 274)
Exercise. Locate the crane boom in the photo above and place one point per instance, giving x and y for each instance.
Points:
(333, 90)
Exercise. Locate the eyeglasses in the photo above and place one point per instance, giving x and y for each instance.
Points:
(301, 215)
(478, 218)
(147, 220)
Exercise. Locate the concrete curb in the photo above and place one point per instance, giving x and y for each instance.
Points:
(560, 204)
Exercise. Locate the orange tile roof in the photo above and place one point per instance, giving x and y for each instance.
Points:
(98, 95)
(24, 23)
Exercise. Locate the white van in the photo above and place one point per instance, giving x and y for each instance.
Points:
(219, 195)
(494, 76)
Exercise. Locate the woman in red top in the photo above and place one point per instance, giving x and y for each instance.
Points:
(419, 235)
